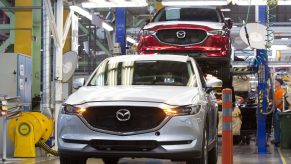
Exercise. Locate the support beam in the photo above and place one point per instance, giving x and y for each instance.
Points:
(21, 8)
(67, 27)
(36, 55)
(52, 23)
(8, 12)
(262, 89)
(5, 27)
(59, 63)
(5, 45)
(23, 24)
(46, 67)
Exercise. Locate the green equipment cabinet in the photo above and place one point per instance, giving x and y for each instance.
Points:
(285, 128)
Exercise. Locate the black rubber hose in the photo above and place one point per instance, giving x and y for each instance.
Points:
(273, 99)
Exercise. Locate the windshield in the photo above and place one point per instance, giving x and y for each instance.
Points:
(168, 73)
(187, 14)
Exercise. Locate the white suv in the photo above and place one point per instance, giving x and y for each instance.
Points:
(156, 106)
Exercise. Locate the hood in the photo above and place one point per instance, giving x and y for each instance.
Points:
(212, 25)
(173, 95)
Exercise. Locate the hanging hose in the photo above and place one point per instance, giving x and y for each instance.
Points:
(273, 108)
(48, 149)
(271, 6)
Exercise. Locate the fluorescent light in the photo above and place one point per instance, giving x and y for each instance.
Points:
(259, 2)
(106, 26)
(90, 26)
(280, 47)
(114, 3)
(81, 11)
(194, 3)
(88, 15)
(131, 40)
(284, 38)
(225, 10)
(286, 2)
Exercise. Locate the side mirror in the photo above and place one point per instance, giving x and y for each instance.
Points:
(78, 83)
(211, 84)
(228, 22)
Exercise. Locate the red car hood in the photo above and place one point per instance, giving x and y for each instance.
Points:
(184, 24)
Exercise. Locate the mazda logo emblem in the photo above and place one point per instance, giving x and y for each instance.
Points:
(181, 34)
(123, 115)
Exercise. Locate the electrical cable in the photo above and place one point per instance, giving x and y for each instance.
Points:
(245, 22)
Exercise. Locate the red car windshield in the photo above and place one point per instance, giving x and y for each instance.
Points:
(188, 14)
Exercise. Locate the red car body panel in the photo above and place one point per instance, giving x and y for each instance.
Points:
(212, 46)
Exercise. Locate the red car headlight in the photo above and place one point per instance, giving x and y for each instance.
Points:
(148, 32)
(216, 32)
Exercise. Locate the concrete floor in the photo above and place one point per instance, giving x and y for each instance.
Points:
(243, 154)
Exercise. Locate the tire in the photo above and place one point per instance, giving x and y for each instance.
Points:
(213, 153)
(73, 160)
(225, 75)
(110, 160)
(204, 157)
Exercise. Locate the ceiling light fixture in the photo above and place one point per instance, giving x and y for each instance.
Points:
(88, 15)
(106, 26)
(195, 3)
(131, 40)
(114, 3)
(258, 2)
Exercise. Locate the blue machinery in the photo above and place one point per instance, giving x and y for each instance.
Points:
(262, 72)
(262, 69)
(121, 28)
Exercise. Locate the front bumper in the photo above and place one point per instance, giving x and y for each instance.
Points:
(158, 153)
(179, 138)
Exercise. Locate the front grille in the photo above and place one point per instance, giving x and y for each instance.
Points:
(171, 36)
(141, 119)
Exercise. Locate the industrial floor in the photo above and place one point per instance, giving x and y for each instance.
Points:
(243, 154)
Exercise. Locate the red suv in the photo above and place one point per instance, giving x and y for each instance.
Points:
(199, 32)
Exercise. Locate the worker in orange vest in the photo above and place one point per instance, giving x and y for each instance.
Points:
(278, 100)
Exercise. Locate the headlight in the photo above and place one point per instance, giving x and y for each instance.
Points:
(216, 32)
(70, 109)
(181, 110)
(147, 32)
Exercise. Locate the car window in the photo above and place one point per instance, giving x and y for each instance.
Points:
(187, 14)
(168, 73)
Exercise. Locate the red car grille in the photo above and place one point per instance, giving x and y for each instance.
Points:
(141, 118)
(181, 36)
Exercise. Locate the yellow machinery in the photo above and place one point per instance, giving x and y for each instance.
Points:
(28, 130)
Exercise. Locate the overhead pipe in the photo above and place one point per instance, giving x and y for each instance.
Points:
(46, 67)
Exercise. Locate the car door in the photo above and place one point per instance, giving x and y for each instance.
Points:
(210, 110)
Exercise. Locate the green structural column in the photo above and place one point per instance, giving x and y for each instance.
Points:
(36, 56)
